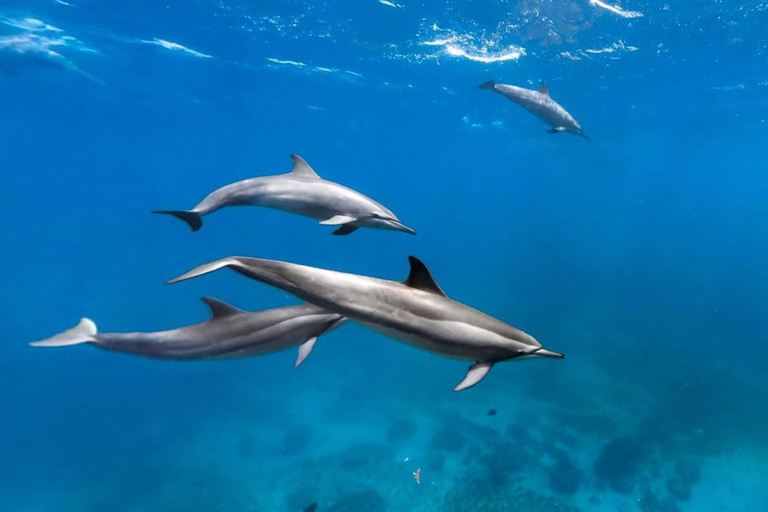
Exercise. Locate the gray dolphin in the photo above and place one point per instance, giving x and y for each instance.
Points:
(540, 104)
(303, 192)
(415, 311)
(229, 333)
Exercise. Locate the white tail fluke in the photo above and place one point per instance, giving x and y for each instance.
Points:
(83, 332)
(205, 269)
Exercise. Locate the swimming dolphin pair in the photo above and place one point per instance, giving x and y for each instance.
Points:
(303, 192)
(540, 104)
(229, 333)
(415, 311)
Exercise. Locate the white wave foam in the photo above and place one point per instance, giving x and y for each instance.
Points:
(31, 25)
(31, 50)
(32, 42)
(308, 68)
(615, 9)
(465, 47)
(287, 62)
(615, 47)
(728, 88)
(569, 55)
(170, 45)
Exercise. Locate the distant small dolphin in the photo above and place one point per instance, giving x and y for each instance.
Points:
(540, 104)
(230, 333)
(303, 192)
(415, 311)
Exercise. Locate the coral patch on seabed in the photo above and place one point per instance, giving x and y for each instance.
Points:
(400, 431)
(474, 494)
(564, 477)
(620, 463)
(367, 499)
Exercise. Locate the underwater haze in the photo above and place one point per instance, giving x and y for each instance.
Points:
(641, 254)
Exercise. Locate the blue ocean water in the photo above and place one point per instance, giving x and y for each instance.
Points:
(640, 254)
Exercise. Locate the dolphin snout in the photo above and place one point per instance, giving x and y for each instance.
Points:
(542, 352)
(399, 226)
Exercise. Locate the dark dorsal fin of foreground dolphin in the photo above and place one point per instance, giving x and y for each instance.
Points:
(415, 311)
(229, 333)
(303, 192)
(540, 104)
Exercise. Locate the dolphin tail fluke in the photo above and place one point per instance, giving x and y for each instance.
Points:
(83, 332)
(194, 219)
(490, 84)
(206, 269)
(548, 353)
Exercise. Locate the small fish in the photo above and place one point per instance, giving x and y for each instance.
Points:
(492, 412)
(417, 476)
(311, 508)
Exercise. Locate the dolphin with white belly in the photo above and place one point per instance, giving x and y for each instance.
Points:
(540, 104)
(229, 333)
(415, 311)
(303, 192)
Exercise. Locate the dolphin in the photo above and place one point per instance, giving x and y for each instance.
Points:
(229, 333)
(303, 192)
(540, 104)
(415, 311)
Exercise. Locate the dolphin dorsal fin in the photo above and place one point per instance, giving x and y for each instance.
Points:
(220, 309)
(302, 168)
(543, 89)
(421, 279)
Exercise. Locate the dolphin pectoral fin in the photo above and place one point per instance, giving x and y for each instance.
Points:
(192, 218)
(474, 375)
(345, 230)
(557, 129)
(304, 350)
(337, 220)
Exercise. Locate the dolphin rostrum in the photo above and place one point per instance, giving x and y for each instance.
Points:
(415, 311)
(303, 192)
(229, 333)
(540, 104)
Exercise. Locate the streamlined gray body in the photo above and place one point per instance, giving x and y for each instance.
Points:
(303, 192)
(229, 333)
(540, 104)
(415, 311)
